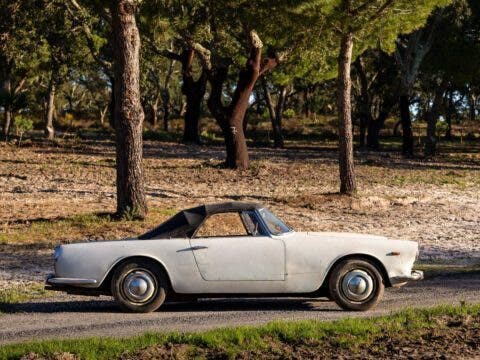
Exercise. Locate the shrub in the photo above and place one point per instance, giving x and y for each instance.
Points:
(441, 127)
(289, 113)
(22, 125)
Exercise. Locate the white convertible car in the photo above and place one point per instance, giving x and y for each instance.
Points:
(234, 250)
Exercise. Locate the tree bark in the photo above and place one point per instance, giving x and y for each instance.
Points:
(406, 121)
(166, 96)
(276, 114)
(374, 127)
(308, 95)
(217, 78)
(472, 106)
(154, 113)
(49, 128)
(277, 125)
(448, 117)
(432, 117)
(194, 92)
(7, 90)
(344, 87)
(129, 116)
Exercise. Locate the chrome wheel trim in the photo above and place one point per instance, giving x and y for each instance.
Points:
(139, 286)
(357, 285)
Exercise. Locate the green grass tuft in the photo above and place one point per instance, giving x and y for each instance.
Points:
(348, 333)
(21, 293)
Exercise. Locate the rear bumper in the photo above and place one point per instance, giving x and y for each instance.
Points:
(402, 280)
(55, 281)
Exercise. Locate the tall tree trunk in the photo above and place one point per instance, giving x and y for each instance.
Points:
(374, 127)
(7, 120)
(308, 95)
(49, 129)
(194, 92)
(364, 124)
(268, 100)
(103, 112)
(129, 114)
(166, 96)
(276, 115)
(166, 110)
(7, 90)
(432, 117)
(154, 113)
(472, 102)
(193, 112)
(217, 79)
(406, 121)
(373, 135)
(239, 108)
(448, 117)
(277, 125)
(344, 87)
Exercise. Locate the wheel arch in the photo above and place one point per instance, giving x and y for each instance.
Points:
(359, 256)
(105, 284)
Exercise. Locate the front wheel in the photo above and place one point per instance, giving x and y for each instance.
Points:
(139, 286)
(356, 284)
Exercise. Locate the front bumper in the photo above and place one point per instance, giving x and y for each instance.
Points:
(402, 280)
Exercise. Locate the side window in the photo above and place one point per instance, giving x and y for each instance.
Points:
(251, 223)
(224, 224)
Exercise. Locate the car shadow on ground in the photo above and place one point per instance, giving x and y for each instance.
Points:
(106, 305)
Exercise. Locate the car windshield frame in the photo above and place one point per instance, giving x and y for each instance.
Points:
(271, 231)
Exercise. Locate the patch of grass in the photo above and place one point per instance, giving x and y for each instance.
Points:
(78, 227)
(350, 333)
(445, 269)
(458, 179)
(21, 293)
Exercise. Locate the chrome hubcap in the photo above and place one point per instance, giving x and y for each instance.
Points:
(139, 286)
(357, 285)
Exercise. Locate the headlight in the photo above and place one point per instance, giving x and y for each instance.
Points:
(57, 252)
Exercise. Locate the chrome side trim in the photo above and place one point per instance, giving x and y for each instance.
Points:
(401, 280)
(70, 281)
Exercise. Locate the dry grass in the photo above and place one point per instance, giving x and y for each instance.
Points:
(64, 193)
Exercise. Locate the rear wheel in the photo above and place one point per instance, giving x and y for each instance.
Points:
(139, 286)
(356, 284)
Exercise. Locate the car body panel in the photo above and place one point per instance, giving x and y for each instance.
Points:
(240, 258)
(305, 259)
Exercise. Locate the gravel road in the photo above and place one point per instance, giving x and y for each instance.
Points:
(68, 316)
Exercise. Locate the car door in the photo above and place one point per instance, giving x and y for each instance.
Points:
(225, 250)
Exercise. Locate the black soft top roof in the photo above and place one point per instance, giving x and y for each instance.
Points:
(186, 222)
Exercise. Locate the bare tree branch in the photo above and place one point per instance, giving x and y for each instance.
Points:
(107, 65)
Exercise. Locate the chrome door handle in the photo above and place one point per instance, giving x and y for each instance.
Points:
(199, 247)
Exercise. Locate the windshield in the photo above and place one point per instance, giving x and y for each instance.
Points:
(274, 224)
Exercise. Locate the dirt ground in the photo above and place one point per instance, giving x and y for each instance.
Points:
(436, 202)
(457, 341)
